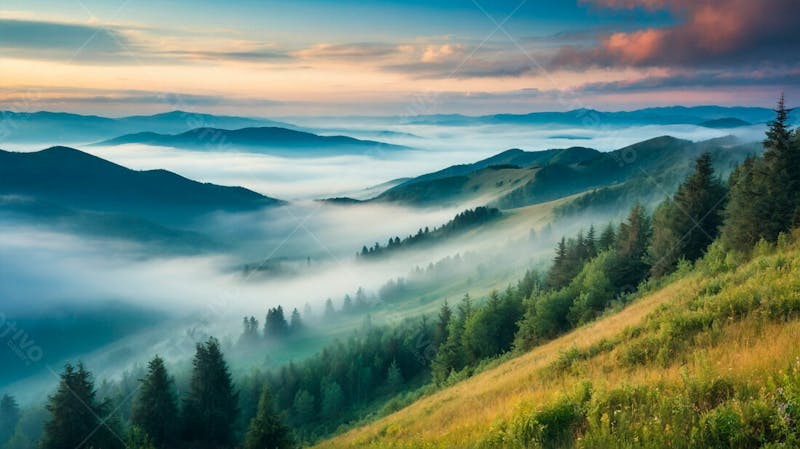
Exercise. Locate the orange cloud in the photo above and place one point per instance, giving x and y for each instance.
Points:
(707, 32)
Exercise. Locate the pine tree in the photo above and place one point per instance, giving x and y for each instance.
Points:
(296, 323)
(332, 399)
(249, 331)
(76, 417)
(556, 277)
(394, 377)
(747, 206)
(590, 243)
(275, 325)
(347, 304)
(607, 238)
(765, 191)
(686, 224)
(782, 180)
(138, 439)
(304, 407)
(210, 408)
(442, 325)
(329, 310)
(9, 417)
(266, 430)
(633, 239)
(156, 405)
(450, 356)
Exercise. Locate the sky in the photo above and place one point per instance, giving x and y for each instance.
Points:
(387, 57)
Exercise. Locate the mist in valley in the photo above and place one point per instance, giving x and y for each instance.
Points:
(297, 255)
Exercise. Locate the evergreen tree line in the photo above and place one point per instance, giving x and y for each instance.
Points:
(463, 221)
(276, 326)
(205, 416)
(348, 379)
(591, 272)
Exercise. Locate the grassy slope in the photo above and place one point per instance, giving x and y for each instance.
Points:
(476, 188)
(750, 333)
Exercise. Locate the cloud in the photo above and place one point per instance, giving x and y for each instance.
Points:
(60, 40)
(707, 33)
(451, 60)
(263, 54)
(108, 43)
(364, 51)
(54, 96)
(717, 79)
(473, 68)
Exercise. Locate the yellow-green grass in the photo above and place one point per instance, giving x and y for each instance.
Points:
(753, 336)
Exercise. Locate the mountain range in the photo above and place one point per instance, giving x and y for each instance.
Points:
(62, 127)
(267, 140)
(671, 115)
(517, 178)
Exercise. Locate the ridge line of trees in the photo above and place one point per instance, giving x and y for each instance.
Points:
(463, 221)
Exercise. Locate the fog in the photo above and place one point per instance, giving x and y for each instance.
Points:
(169, 301)
(435, 147)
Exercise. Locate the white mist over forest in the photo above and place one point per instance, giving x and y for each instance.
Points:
(314, 242)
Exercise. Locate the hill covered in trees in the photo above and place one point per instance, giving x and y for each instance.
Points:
(74, 179)
(462, 222)
(645, 171)
(671, 330)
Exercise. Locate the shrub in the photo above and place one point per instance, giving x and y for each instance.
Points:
(552, 427)
(721, 428)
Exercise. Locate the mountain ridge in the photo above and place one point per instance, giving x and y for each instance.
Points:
(75, 179)
(267, 139)
(550, 174)
(67, 127)
(666, 115)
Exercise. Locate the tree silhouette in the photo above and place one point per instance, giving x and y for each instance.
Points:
(266, 430)
(77, 420)
(9, 417)
(156, 405)
(686, 224)
(210, 408)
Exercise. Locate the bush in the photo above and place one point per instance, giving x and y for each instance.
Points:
(721, 428)
(552, 427)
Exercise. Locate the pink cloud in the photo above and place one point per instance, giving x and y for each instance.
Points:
(708, 32)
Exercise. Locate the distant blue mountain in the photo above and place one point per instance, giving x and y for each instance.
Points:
(725, 123)
(61, 127)
(78, 180)
(268, 140)
(670, 115)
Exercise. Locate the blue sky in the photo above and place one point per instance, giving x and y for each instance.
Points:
(372, 57)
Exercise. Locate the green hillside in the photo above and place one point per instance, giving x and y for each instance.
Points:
(517, 178)
(707, 360)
